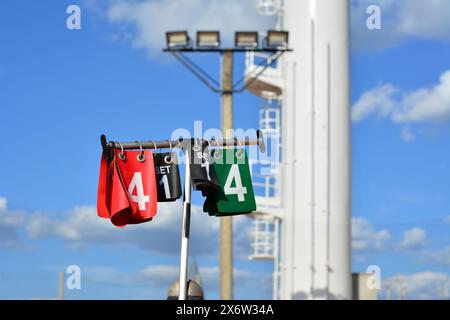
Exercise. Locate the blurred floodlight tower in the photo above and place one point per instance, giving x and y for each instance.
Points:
(307, 195)
(179, 45)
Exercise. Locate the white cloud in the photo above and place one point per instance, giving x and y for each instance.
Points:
(10, 223)
(441, 256)
(210, 277)
(3, 204)
(95, 6)
(424, 105)
(379, 100)
(366, 239)
(165, 275)
(413, 239)
(82, 226)
(106, 275)
(425, 285)
(146, 22)
(401, 20)
(159, 275)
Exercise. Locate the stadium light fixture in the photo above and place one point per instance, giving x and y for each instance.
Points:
(208, 39)
(277, 39)
(178, 40)
(246, 40)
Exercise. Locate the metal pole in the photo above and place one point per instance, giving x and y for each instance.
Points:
(185, 230)
(226, 223)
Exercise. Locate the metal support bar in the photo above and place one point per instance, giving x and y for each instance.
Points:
(274, 57)
(259, 141)
(213, 84)
(199, 73)
(197, 67)
(220, 50)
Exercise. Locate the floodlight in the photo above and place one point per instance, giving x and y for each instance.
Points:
(208, 39)
(277, 39)
(177, 39)
(246, 39)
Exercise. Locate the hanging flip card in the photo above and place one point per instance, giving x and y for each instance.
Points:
(102, 208)
(202, 174)
(138, 172)
(168, 184)
(127, 188)
(236, 194)
(113, 200)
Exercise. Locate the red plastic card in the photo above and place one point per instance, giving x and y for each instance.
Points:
(127, 188)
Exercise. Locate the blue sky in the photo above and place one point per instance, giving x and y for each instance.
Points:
(61, 89)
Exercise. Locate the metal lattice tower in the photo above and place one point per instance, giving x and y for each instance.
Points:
(262, 236)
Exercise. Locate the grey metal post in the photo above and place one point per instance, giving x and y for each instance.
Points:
(185, 229)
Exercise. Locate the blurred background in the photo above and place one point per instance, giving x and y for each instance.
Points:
(61, 88)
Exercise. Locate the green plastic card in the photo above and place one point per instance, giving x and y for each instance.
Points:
(236, 194)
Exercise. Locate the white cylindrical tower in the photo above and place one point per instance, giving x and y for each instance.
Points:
(315, 245)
